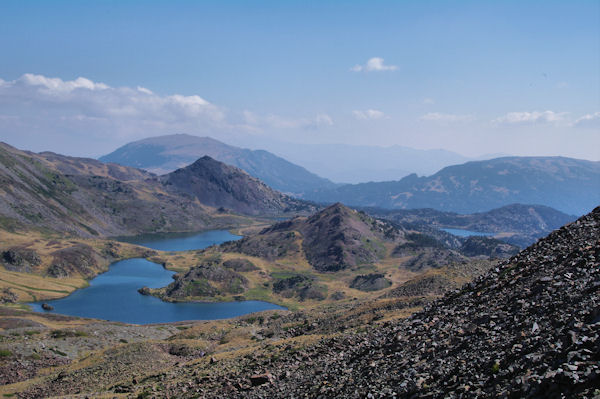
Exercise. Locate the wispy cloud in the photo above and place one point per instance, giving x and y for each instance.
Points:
(446, 118)
(369, 114)
(428, 101)
(533, 117)
(589, 120)
(375, 64)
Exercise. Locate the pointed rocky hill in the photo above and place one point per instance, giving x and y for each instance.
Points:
(333, 239)
(529, 328)
(216, 184)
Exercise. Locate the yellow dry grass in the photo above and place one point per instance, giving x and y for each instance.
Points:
(31, 287)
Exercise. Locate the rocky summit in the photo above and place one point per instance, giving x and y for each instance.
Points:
(529, 328)
(216, 184)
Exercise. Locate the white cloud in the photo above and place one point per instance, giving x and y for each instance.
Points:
(56, 85)
(324, 120)
(428, 101)
(374, 64)
(445, 118)
(533, 117)
(589, 120)
(41, 100)
(368, 114)
(144, 90)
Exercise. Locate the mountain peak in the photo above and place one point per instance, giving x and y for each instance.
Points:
(217, 184)
(333, 239)
(337, 207)
(206, 159)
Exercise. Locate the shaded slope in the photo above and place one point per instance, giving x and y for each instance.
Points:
(484, 185)
(34, 193)
(167, 153)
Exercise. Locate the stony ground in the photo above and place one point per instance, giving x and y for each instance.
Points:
(530, 328)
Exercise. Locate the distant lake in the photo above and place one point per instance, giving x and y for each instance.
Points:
(113, 295)
(182, 241)
(467, 233)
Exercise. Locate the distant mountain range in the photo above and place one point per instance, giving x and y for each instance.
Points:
(569, 185)
(167, 153)
(85, 197)
(345, 163)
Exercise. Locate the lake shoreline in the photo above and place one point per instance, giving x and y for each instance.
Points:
(115, 295)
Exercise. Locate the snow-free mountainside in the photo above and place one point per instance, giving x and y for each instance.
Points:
(350, 280)
(475, 186)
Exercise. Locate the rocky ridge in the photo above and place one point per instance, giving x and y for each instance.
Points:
(529, 328)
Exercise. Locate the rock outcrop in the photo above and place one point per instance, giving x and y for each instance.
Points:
(370, 282)
(206, 280)
(77, 260)
(20, 259)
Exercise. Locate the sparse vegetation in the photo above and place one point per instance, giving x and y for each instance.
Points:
(5, 353)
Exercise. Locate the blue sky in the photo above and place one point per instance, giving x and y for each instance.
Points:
(518, 77)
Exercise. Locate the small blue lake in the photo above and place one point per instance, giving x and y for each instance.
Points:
(467, 233)
(113, 295)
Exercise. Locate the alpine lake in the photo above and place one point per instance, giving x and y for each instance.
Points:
(113, 295)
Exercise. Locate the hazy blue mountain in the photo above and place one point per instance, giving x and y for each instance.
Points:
(358, 164)
(569, 185)
(167, 153)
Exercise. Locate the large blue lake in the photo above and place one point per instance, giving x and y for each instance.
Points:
(113, 295)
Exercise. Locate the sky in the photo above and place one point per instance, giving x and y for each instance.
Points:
(475, 77)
